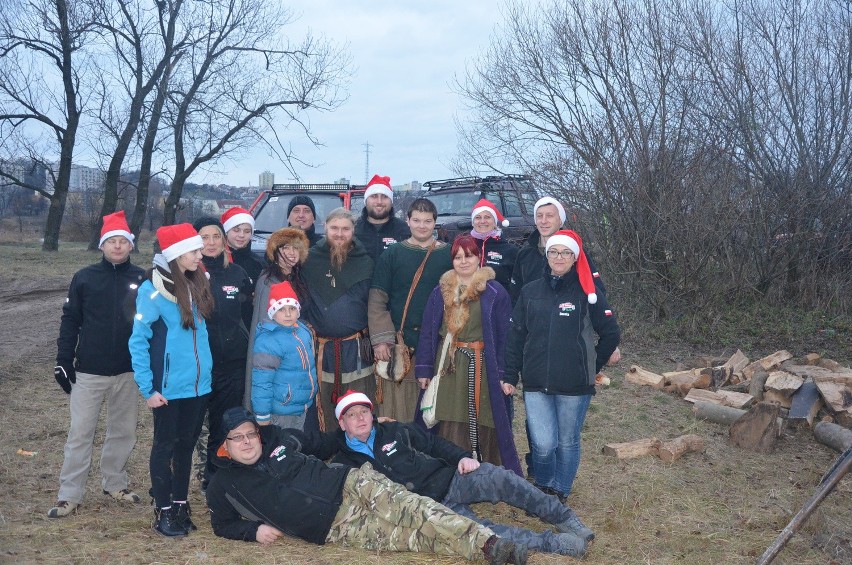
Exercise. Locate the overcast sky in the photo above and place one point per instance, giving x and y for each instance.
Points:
(404, 54)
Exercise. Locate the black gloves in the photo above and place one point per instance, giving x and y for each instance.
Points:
(65, 376)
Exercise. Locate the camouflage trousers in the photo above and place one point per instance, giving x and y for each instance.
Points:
(378, 514)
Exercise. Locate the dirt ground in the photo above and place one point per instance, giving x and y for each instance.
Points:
(723, 506)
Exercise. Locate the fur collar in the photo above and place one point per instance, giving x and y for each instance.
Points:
(457, 298)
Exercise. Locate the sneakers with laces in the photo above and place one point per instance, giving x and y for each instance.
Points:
(166, 523)
(63, 508)
(124, 495)
(573, 525)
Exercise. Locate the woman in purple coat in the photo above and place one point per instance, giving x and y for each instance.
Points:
(468, 315)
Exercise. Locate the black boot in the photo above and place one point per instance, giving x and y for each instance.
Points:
(166, 523)
(184, 514)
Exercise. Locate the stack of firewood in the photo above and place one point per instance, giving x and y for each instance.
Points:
(756, 398)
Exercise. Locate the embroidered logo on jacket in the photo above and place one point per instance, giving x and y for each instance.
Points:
(230, 291)
(494, 257)
(566, 308)
(279, 453)
(607, 312)
(389, 448)
(388, 241)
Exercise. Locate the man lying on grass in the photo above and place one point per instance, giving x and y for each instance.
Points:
(434, 467)
(272, 482)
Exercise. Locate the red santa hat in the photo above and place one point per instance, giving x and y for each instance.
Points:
(281, 295)
(548, 200)
(115, 224)
(350, 399)
(178, 239)
(572, 241)
(379, 185)
(236, 216)
(486, 206)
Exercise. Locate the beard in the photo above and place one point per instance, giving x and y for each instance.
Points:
(339, 253)
(376, 216)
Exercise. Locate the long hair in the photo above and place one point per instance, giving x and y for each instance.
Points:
(188, 287)
(273, 271)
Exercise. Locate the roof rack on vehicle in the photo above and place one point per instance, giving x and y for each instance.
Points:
(307, 187)
(465, 181)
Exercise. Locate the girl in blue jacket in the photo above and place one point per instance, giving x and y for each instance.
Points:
(172, 363)
(284, 374)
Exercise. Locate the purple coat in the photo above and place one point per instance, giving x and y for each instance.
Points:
(496, 311)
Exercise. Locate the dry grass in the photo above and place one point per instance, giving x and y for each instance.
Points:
(724, 506)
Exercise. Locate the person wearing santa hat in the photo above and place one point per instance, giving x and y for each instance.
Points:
(227, 329)
(93, 366)
(284, 373)
(496, 252)
(173, 365)
(551, 348)
(238, 224)
(378, 227)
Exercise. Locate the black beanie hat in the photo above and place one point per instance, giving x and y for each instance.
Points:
(205, 221)
(301, 200)
(235, 416)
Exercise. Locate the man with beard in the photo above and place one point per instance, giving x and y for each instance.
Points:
(394, 277)
(338, 273)
(378, 228)
(301, 213)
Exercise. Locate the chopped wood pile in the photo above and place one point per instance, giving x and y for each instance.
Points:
(756, 398)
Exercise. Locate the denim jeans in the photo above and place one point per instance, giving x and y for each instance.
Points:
(555, 422)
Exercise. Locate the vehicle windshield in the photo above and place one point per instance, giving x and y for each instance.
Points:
(356, 204)
(453, 203)
(273, 215)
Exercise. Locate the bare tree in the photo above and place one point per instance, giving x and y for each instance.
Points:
(40, 43)
(237, 86)
(142, 42)
(684, 154)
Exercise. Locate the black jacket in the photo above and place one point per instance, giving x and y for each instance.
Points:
(289, 488)
(378, 237)
(552, 343)
(531, 265)
(227, 330)
(500, 255)
(249, 262)
(97, 318)
(405, 454)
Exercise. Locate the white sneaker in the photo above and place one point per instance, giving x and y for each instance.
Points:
(124, 495)
(63, 508)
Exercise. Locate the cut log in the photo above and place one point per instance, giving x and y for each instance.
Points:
(806, 404)
(758, 429)
(829, 364)
(783, 382)
(758, 380)
(836, 392)
(832, 435)
(751, 368)
(717, 413)
(743, 387)
(773, 361)
(632, 449)
(724, 415)
(638, 375)
(841, 374)
(778, 398)
(682, 382)
(812, 358)
(724, 397)
(733, 367)
(674, 449)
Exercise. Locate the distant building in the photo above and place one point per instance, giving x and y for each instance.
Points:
(412, 186)
(266, 180)
(29, 172)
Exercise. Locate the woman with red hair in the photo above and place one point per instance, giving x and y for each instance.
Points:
(463, 334)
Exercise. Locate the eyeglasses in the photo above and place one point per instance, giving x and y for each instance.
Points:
(553, 254)
(239, 438)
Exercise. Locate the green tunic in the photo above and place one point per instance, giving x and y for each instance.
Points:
(453, 391)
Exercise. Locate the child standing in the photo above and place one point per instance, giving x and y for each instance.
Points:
(172, 362)
(284, 376)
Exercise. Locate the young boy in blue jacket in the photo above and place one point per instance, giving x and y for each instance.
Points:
(284, 374)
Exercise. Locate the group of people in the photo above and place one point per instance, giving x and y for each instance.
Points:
(328, 347)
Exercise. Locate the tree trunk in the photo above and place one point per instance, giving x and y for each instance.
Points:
(832, 435)
(674, 449)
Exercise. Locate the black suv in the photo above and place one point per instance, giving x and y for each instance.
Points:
(270, 208)
(513, 195)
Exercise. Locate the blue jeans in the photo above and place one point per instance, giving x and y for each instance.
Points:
(555, 422)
